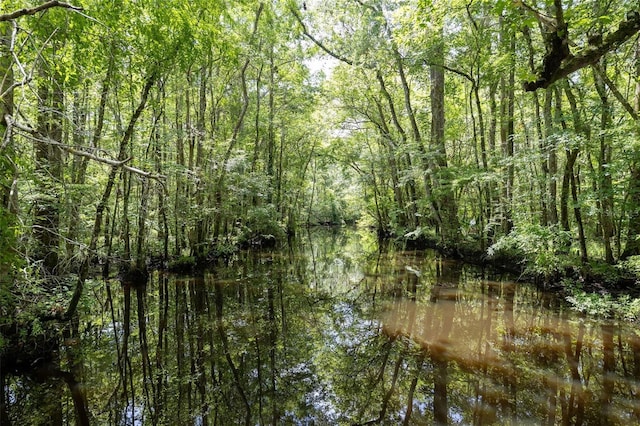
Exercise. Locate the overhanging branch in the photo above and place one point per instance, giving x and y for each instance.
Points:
(40, 8)
(114, 163)
(627, 29)
(317, 42)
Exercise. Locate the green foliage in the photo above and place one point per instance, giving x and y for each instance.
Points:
(261, 225)
(602, 305)
(631, 265)
(339, 149)
(538, 246)
(7, 239)
(8, 265)
(182, 264)
(225, 249)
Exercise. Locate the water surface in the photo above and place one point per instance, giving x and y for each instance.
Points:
(333, 330)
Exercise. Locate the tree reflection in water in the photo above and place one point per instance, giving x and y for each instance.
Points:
(332, 331)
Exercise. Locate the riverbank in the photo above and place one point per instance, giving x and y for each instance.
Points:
(594, 287)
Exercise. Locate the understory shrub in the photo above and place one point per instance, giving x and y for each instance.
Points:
(542, 249)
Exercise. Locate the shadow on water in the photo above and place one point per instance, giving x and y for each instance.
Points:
(332, 330)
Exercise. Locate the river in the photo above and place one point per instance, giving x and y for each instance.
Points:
(332, 330)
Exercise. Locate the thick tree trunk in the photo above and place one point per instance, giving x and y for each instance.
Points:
(447, 204)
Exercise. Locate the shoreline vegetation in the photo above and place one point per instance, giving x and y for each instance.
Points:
(597, 290)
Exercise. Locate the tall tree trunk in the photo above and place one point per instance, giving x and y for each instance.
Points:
(8, 174)
(447, 204)
(271, 131)
(605, 184)
(632, 245)
(125, 233)
(78, 168)
(551, 157)
(507, 132)
(390, 148)
(493, 198)
(81, 163)
(181, 187)
(202, 220)
(48, 166)
(141, 234)
(572, 155)
(411, 211)
(220, 181)
(568, 170)
(544, 165)
(160, 159)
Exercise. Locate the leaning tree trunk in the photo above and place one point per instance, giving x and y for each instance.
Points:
(411, 212)
(388, 144)
(106, 195)
(81, 163)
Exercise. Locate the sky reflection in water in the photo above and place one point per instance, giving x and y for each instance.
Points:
(335, 331)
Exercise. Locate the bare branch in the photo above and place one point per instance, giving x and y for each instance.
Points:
(114, 163)
(614, 89)
(317, 42)
(545, 20)
(13, 86)
(40, 8)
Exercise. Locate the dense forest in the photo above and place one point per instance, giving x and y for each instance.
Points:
(170, 132)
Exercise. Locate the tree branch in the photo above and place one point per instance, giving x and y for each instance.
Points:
(114, 163)
(627, 29)
(545, 20)
(616, 93)
(317, 42)
(34, 10)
